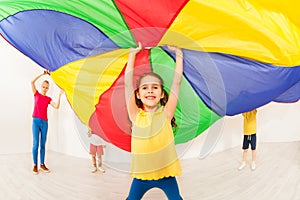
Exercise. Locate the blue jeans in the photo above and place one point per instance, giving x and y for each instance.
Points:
(39, 132)
(168, 185)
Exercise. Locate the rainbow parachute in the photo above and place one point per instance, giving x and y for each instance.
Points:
(238, 54)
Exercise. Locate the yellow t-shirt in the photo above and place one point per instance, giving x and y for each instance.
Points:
(250, 122)
(152, 147)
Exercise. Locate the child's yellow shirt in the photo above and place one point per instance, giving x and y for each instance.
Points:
(250, 122)
(152, 147)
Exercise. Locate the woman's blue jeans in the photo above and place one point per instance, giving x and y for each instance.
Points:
(39, 132)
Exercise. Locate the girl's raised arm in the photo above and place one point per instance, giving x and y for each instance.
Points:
(57, 104)
(33, 87)
(175, 87)
(132, 108)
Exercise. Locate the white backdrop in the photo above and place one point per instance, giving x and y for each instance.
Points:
(275, 122)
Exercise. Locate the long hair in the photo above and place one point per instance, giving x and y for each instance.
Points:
(163, 100)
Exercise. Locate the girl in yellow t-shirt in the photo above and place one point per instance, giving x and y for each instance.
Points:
(249, 138)
(151, 111)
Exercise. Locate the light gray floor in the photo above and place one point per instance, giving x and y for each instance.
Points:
(216, 177)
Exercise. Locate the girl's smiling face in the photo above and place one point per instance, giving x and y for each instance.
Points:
(150, 92)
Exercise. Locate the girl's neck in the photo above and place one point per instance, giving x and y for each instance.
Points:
(150, 109)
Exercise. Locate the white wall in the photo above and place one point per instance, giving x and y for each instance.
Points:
(276, 122)
(16, 103)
